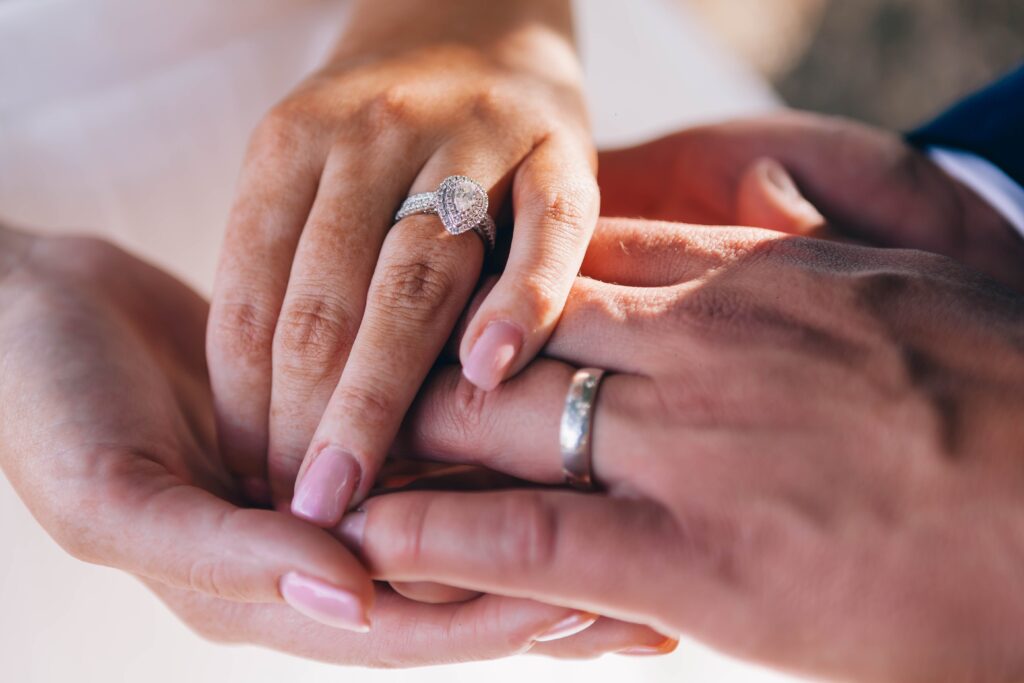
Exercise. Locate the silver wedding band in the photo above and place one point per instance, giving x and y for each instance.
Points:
(574, 434)
(460, 202)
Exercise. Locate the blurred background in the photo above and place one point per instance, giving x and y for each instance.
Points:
(128, 119)
(893, 63)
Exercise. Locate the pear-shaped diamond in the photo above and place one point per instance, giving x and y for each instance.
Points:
(461, 204)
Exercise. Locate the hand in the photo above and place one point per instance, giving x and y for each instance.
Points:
(811, 450)
(869, 184)
(314, 279)
(107, 435)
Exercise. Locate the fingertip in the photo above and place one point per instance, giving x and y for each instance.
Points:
(325, 490)
(768, 197)
(325, 602)
(493, 354)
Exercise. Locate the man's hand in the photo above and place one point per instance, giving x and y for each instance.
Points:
(869, 185)
(812, 453)
(106, 432)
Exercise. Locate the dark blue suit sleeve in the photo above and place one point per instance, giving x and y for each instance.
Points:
(989, 124)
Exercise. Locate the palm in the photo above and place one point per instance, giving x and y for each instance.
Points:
(114, 349)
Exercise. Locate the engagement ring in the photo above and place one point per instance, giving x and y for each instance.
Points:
(460, 202)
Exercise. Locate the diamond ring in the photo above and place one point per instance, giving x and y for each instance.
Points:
(460, 202)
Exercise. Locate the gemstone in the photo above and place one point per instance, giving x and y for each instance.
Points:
(462, 204)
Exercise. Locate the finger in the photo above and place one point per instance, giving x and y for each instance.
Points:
(422, 281)
(514, 429)
(556, 205)
(405, 633)
(592, 553)
(149, 524)
(326, 293)
(642, 253)
(609, 635)
(276, 190)
(769, 198)
(703, 174)
(696, 176)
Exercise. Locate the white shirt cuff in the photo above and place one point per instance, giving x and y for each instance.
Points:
(986, 179)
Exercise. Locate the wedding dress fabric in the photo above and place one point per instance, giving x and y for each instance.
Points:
(129, 118)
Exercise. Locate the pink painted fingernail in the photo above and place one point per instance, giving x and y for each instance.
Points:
(493, 354)
(324, 492)
(351, 529)
(570, 626)
(665, 647)
(325, 603)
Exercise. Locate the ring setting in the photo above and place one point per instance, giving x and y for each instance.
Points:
(460, 202)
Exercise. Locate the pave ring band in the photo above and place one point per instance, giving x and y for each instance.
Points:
(577, 426)
(460, 202)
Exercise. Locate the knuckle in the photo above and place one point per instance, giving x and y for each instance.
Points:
(540, 296)
(525, 533)
(416, 289)
(468, 413)
(207, 576)
(242, 330)
(567, 208)
(315, 330)
(370, 404)
(281, 131)
(491, 103)
(393, 106)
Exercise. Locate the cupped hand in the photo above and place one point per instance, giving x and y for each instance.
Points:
(326, 318)
(811, 453)
(107, 434)
(798, 172)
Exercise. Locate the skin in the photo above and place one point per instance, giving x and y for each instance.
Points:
(107, 435)
(859, 183)
(315, 283)
(810, 450)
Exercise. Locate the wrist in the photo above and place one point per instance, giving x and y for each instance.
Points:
(515, 32)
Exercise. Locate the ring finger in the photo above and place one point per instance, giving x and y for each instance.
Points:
(421, 283)
(326, 293)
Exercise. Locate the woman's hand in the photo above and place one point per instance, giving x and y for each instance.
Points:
(314, 278)
(106, 433)
(812, 454)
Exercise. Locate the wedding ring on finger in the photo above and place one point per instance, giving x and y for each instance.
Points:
(460, 202)
(574, 434)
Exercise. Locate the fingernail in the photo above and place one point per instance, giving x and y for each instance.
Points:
(789, 193)
(492, 354)
(668, 645)
(324, 492)
(779, 177)
(325, 603)
(351, 529)
(570, 626)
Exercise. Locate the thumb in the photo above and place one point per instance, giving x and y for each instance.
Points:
(767, 197)
(186, 537)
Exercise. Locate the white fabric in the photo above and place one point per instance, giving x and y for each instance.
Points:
(988, 180)
(129, 118)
